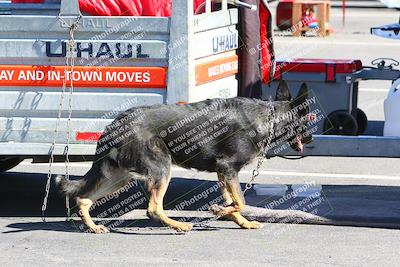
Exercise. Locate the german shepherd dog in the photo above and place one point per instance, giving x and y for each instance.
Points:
(215, 135)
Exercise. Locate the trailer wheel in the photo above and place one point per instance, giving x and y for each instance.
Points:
(340, 123)
(7, 163)
(362, 121)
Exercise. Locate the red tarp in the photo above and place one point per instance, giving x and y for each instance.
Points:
(111, 7)
(266, 44)
(130, 7)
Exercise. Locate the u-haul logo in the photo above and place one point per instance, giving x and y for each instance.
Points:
(208, 43)
(96, 50)
(225, 43)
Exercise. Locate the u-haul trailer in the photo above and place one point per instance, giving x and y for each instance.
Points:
(119, 62)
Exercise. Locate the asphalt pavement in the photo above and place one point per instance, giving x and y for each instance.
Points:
(346, 224)
(29, 242)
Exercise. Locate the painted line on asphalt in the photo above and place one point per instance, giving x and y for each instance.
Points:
(366, 43)
(328, 175)
(374, 90)
(268, 173)
(314, 174)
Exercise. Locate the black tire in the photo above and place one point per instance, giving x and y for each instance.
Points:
(340, 123)
(362, 121)
(8, 163)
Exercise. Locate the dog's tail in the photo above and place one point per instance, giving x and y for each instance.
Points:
(71, 188)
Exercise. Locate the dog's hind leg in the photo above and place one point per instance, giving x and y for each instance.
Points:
(155, 210)
(109, 179)
(84, 205)
(234, 202)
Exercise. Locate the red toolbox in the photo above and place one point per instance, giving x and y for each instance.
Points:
(333, 84)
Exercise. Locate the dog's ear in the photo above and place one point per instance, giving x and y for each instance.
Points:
(283, 92)
(302, 98)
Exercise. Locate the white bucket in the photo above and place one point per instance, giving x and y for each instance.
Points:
(392, 111)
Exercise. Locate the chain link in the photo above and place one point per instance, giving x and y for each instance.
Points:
(206, 223)
(249, 185)
(70, 63)
(256, 172)
(262, 156)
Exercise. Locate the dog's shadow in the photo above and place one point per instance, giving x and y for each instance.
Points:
(13, 185)
(129, 226)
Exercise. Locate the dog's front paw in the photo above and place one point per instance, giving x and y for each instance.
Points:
(252, 225)
(216, 209)
(221, 211)
(182, 227)
(99, 229)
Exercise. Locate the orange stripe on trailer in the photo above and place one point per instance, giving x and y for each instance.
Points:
(216, 69)
(83, 76)
(88, 136)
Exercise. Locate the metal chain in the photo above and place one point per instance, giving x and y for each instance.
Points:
(248, 186)
(206, 223)
(262, 156)
(256, 172)
(71, 64)
(70, 61)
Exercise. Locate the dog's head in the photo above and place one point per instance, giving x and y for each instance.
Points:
(292, 116)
